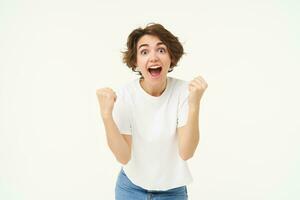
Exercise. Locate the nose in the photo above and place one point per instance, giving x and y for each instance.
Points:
(153, 57)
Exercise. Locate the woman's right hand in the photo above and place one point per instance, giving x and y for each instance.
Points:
(106, 99)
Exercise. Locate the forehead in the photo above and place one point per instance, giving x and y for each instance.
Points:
(149, 40)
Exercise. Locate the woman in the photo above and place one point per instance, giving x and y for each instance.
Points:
(151, 123)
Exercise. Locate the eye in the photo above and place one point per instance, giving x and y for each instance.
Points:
(162, 50)
(144, 52)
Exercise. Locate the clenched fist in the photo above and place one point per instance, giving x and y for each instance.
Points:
(106, 99)
(196, 88)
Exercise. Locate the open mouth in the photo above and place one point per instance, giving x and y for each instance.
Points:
(155, 71)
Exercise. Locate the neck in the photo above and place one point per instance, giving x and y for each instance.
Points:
(154, 90)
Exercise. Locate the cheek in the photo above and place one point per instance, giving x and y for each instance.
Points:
(167, 62)
(141, 61)
(166, 58)
(142, 65)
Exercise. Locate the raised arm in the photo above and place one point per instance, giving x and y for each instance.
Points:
(189, 135)
(118, 143)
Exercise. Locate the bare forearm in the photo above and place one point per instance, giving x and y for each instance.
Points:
(189, 135)
(190, 138)
(116, 141)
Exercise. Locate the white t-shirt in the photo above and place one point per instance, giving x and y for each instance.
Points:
(155, 162)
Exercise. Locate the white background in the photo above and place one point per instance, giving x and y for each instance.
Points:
(55, 54)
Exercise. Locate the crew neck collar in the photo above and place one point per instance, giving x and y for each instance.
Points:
(150, 97)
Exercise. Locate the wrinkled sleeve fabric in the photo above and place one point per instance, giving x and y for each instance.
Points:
(183, 106)
(121, 113)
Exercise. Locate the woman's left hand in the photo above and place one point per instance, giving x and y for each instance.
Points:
(196, 88)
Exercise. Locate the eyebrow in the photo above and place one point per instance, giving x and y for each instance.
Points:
(147, 45)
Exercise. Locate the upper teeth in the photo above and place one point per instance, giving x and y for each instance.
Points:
(154, 67)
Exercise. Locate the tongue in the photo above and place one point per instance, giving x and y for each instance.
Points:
(155, 72)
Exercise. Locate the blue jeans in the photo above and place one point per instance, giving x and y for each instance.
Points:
(126, 190)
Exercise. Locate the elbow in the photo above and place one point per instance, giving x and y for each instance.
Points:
(186, 156)
(187, 153)
(124, 161)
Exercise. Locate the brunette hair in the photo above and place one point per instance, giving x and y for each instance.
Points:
(174, 47)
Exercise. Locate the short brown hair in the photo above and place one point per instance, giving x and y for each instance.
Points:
(174, 47)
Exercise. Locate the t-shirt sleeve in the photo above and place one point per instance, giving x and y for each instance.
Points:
(183, 108)
(121, 114)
